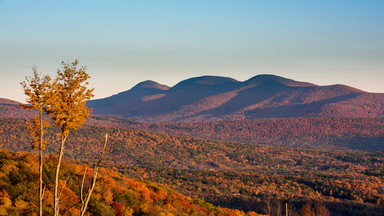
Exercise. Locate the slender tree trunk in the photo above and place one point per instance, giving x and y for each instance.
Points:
(286, 208)
(84, 203)
(41, 167)
(56, 192)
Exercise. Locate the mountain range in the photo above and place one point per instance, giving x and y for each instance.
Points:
(253, 175)
(212, 98)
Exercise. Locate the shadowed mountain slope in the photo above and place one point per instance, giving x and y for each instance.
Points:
(210, 98)
(138, 93)
(12, 109)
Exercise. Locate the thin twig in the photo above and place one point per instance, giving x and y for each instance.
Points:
(42, 194)
(61, 191)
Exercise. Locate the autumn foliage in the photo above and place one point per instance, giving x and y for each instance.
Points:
(67, 99)
(365, 134)
(114, 194)
(230, 174)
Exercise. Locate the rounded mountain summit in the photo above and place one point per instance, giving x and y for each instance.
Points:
(213, 98)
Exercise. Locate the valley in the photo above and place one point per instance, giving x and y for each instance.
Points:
(229, 174)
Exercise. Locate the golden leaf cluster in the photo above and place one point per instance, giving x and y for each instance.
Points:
(36, 133)
(63, 99)
(67, 98)
(36, 88)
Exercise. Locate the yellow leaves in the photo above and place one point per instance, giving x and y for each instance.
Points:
(79, 170)
(127, 211)
(37, 88)
(108, 196)
(68, 96)
(21, 204)
(33, 163)
(3, 211)
(8, 166)
(5, 202)
(48, 196)
(4, 194)
(107, 179)
(67, 197)
(166, 214)
(37, 129)
(73, 211)
(64, 100)
(144, 206)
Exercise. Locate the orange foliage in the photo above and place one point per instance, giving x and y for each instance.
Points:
(113, 193)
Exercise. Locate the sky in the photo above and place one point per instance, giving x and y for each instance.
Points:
(125, 42)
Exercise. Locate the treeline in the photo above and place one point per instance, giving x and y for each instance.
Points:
(268, 191)
(365, 134)
(226, 173)
(114, 194)
(143, 148)
(11, 109)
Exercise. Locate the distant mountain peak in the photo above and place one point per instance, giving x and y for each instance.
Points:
(213, 80)
(213, 98)
(151, 84)
(266, 79)
(205, 80)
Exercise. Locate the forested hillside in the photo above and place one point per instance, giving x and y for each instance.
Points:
(365, 134)
(114, 193)
(230, 174)
(267, 190)
(12, 109)
(136, 147)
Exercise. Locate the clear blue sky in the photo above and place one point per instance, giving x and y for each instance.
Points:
(125, 42)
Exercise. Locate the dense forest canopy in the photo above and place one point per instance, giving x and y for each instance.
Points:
(230, 174)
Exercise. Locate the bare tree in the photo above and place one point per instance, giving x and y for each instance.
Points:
(277, 207)
(320, 209)
(84, 201)
(268, 204)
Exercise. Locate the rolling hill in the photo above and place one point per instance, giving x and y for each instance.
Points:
(11, 109)
(212, 98)
(228, 174)
(364, 134)
(114, 194)
(314, 133)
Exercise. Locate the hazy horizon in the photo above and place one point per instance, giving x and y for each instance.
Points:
(127, 42)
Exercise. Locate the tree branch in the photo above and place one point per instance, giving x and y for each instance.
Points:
(93, 182)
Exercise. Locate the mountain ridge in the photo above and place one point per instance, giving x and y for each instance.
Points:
(212, 98)
(264, 79)
(215, 98)
(151, 84)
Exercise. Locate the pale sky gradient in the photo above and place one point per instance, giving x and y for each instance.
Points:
(126, 42)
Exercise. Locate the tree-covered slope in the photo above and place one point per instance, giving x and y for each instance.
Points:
(227, 173)
(365, 134)
(114, 193)
(136, 147)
